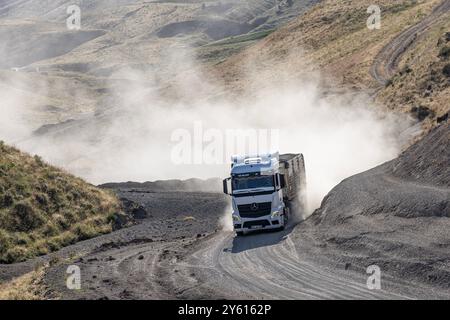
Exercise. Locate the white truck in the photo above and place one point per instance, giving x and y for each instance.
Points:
(264, 190)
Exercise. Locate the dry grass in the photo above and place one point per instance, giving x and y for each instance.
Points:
(27, 287)
(43, 208)
(334, 37)
(421, 82)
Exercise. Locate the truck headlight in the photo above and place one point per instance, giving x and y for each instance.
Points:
(275, 214)
(236, 218)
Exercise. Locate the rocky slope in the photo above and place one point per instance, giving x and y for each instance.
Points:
(396, 216)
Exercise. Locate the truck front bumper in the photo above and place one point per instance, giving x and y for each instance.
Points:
(261, 223)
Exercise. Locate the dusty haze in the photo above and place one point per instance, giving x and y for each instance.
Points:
(339, 134)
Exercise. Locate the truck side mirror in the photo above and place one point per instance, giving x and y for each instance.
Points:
(282, 181)
(225, 186)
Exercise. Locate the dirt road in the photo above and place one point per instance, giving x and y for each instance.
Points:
(387, 60)
(220, 266)
(264, 266)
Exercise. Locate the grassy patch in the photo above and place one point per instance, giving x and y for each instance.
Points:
(43, 208)
(26, 287)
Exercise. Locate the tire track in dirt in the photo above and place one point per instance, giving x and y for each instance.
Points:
(263, 266)
(387, 60)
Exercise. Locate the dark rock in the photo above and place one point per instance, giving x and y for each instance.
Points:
(133, 209)
(120, 220)
(139, 213)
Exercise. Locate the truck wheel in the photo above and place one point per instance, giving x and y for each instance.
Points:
(240, 233)
(286, 218)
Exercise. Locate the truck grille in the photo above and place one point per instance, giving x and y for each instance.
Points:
(255, 210)
(250, 224)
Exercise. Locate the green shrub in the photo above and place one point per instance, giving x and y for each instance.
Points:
(53, 244)
(50, 229)
(14, 254)
(61, 222)
(42, 199)
(26, 217)
(22, 239)
(84, 231)
(6, 200)
(67, 238)
(5, 241)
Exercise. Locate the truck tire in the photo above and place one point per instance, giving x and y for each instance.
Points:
(240, 233)
(286, 215)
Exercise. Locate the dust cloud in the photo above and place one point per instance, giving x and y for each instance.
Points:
(340, 134)
(226, 220)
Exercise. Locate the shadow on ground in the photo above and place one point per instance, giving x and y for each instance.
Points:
(258, 239)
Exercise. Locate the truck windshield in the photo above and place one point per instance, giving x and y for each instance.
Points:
(242, 183)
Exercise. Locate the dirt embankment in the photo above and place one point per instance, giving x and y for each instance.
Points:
(396, 216)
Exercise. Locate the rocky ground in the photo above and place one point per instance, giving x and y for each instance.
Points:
(162, 221)
(395, 215)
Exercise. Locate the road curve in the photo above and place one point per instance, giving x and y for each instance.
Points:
(264, 266)
(387, 60)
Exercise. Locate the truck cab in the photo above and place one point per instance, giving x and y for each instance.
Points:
(259, 192)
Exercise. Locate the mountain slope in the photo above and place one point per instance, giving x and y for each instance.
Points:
(43, 208)
(333, 37)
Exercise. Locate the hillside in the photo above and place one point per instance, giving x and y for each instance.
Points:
(333, 38)
(396, 215)
(43, 208)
